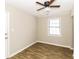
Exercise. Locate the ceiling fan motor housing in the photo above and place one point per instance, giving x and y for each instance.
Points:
(46, 3)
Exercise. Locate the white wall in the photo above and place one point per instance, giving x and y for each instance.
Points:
(66, 32)
(22, 29)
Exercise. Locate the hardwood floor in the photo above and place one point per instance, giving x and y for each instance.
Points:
(44, 51)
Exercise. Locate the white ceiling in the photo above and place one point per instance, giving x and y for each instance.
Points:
(30, 6)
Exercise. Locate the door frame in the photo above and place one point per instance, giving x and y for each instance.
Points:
(7, 31)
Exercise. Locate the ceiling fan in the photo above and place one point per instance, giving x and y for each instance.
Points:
(47, 4)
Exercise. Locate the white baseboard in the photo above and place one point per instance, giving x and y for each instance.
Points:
(21, 50)
(56, 44)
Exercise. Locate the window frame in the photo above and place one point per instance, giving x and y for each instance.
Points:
(54, 27)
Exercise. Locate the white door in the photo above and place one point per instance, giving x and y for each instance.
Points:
(7, 35)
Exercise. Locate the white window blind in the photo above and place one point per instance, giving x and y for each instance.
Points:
(54, 27)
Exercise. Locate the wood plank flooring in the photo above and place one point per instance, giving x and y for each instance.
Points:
(44, 51)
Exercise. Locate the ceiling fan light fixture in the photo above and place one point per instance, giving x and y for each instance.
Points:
(47, 9)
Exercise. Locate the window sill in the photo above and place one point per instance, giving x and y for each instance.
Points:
(54, 35)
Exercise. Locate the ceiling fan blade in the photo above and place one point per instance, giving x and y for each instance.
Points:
(40, 3)
(51, 1)
(41, 8)
(55, 6)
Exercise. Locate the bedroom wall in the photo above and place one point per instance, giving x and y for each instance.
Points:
(65, 39)
(22, 30)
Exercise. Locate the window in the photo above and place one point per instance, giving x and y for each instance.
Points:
(54, 27)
